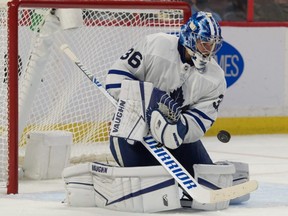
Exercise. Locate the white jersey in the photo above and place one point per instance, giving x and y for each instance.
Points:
(159, 59)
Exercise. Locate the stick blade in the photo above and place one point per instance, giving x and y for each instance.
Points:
(233, 192)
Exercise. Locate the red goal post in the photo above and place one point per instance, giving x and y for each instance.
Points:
(63, 100)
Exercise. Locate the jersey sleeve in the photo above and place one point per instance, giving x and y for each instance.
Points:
(129, 66)
(202, 114)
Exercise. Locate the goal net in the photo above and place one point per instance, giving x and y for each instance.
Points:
(52, 93)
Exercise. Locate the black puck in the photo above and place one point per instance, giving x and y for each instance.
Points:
(223, 136)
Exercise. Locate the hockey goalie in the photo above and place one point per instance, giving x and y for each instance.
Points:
(171, 87)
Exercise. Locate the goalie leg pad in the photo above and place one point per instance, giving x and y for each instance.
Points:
(151, 190)
(214, 177)
(79, 186)
(120, 188)
(241, 175)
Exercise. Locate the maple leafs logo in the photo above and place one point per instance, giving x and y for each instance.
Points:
(177, 95)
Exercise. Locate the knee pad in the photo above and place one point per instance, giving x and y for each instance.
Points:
(213, 177)
(240, 176)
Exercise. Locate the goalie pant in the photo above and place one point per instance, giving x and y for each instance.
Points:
(153, 190)
(127, 155)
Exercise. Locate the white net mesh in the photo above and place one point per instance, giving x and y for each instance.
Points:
(53, 93)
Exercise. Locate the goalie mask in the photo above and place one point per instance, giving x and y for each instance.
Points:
(201, 36)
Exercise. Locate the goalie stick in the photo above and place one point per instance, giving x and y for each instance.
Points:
(167, 160)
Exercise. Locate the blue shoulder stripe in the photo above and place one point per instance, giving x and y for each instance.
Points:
(122, 73)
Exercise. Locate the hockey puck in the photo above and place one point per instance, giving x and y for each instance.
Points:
(223, 136)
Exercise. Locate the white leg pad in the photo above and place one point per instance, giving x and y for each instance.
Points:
(133, 189)
(214, 177)
(79, 186)
(241, 175)
(136, 189)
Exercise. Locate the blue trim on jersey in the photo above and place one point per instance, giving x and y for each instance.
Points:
(111, 86)
(203, 115)
(199, 122)
(122, 73)
(158, 186)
